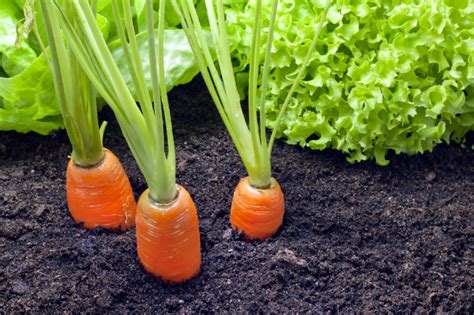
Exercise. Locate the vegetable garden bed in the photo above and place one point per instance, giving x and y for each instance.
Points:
(355, 237)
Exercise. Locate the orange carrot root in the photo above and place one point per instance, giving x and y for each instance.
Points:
(168, 242)
(100, 196)
(257, 212)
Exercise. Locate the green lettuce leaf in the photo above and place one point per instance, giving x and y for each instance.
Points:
(27, 101)
(180, 66)
(15, 56)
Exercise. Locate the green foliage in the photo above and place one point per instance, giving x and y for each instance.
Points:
(387, 75)
(27, 96)
(75, 95)
(28, 102)
(180, 66)
(15, 56)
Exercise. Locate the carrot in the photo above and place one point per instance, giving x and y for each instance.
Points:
(258, 203)
(98, 190)
(257, 212)
(168, 241)
(100, 195)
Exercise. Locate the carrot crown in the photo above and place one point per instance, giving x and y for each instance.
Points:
(75, 94)
(250, 138)
(147, 128)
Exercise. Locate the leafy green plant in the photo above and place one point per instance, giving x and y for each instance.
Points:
(27, 100)
(386, 75)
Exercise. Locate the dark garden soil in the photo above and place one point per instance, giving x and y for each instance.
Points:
(355, 237)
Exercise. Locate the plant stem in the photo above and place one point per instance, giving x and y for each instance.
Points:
(76, 96)
(298, 77)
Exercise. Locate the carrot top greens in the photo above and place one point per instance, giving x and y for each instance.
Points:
(249, 138)
(147, 128)
(76, 96)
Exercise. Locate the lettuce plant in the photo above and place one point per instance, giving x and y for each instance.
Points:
(386, 75)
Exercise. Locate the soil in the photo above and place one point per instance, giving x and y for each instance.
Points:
(356, 238)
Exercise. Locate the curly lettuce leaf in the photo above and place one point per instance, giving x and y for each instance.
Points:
(386, 76)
